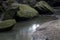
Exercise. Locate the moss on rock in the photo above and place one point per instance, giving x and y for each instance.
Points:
(44, 6)
(7, 23)
(26, 11)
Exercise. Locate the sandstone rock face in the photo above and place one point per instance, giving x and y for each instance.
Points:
(48, 31)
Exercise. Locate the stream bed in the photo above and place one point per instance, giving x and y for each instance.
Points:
(24, 30)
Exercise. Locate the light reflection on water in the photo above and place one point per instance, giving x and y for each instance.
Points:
(31, 30)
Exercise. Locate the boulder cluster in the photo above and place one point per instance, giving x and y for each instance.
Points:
(12, 10)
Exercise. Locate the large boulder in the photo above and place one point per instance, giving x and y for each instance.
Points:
(26, 11)
(48, 31)
(44, 8)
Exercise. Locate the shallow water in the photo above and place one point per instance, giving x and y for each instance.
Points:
(23, 30)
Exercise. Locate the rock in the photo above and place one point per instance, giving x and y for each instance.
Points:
(26, 11)
(7, 25)
(51, 31)
(10, 14)
(44, 8)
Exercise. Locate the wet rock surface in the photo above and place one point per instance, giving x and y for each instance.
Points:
(51, 31)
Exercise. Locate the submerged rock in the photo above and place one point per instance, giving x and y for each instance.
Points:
(44, 8)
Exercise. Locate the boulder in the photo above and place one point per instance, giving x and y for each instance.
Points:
(26, 11)
(44, 8)
(7, 25)
(48, 31)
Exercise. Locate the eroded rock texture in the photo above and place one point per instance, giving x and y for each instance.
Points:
(51, 31)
